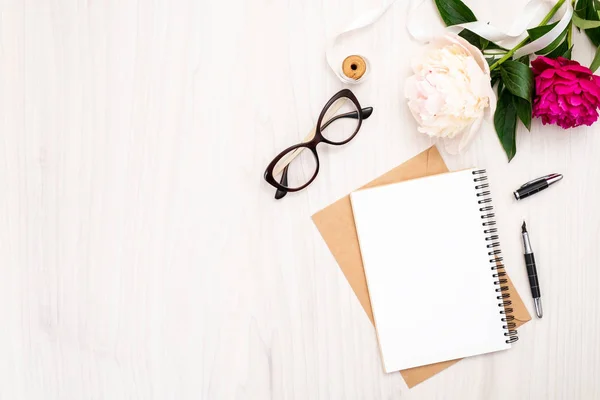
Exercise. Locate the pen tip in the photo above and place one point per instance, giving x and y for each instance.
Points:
(524, 227)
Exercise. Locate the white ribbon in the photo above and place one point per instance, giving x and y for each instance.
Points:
(530, 16)
(532, 13)
(544, 41)
(365, 19)
(423, 30)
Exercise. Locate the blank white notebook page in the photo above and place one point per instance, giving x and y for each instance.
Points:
(428, 270)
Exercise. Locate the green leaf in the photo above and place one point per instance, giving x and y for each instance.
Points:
(494, 81)
(524, 60)
(454, 12)
(554, 43)
(518, 79)
(494, 46)
(495, 73)
(500, 87)
(567, 54)
(495, 77)
(585, 23)
(474, 39)
(505, 122)
(524, 111)
(479, 42)
(596, 62)
(539, 31)
(484, 43)
(588, 10)
(559, 51)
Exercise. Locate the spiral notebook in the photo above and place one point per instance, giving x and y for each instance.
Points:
(432, 260)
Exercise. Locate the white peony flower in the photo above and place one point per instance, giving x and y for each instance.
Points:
(450, 92)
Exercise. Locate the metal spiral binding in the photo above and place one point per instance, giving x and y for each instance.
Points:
(487, 215)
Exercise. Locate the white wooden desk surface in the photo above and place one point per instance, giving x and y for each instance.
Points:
(143, 256)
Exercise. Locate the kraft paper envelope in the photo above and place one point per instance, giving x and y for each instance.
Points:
(336, 225)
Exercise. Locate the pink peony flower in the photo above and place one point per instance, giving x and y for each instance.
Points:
(567, 94)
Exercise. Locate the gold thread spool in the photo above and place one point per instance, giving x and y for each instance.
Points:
(354, 67)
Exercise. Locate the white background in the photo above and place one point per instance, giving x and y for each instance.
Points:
(143, 256)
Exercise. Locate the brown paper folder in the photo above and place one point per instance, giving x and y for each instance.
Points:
(336, 224)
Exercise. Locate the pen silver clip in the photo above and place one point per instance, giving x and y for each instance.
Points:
(535, 180)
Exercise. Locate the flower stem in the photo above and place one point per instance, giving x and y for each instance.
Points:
(570, 29)
(512, 51)
(509, 54)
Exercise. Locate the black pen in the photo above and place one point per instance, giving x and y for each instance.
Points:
(536, 185)
(532, 272)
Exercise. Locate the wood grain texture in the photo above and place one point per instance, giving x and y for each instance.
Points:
(143, 256)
